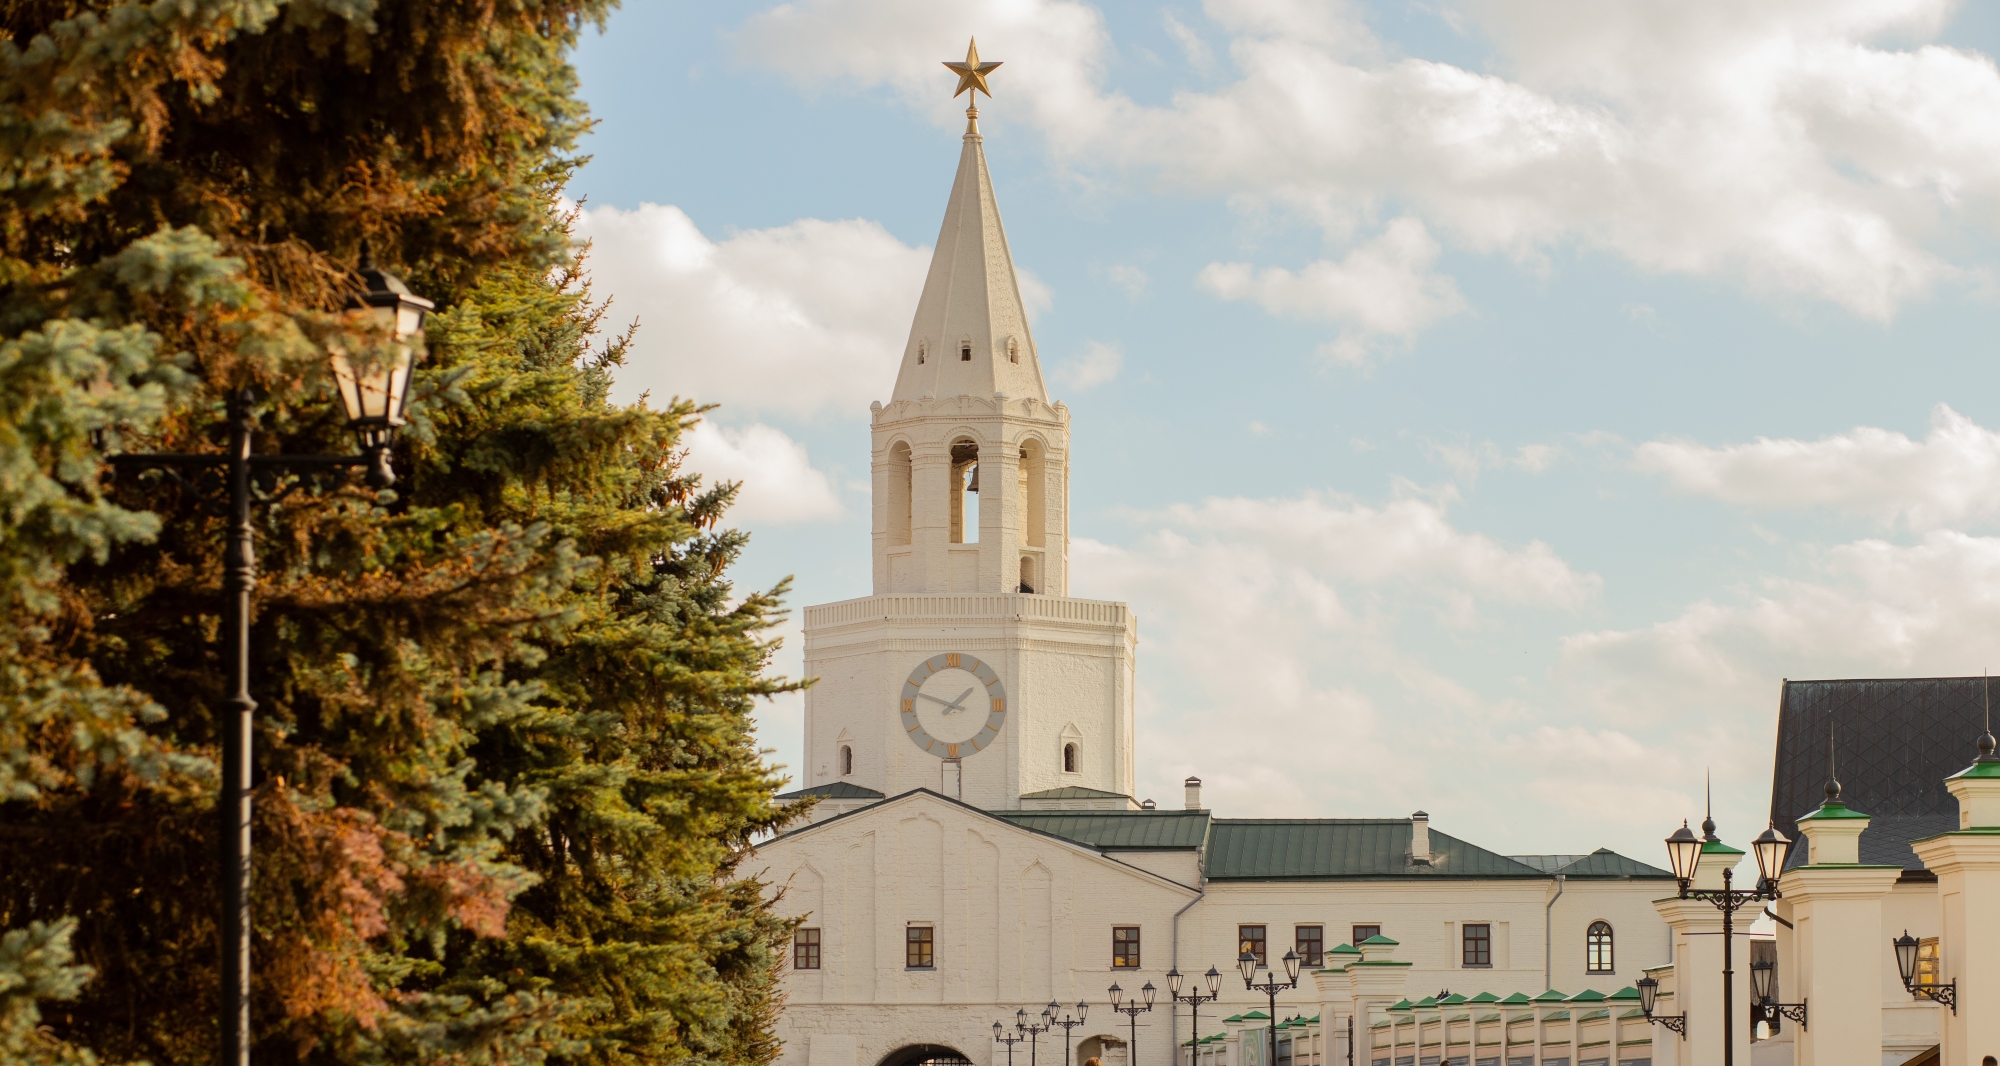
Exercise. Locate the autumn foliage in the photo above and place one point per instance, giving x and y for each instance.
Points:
(504, 753)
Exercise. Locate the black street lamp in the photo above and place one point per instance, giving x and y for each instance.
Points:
(1906, 965)
(1194, 999)
(1000, 1036)
(1649, 991)
(1246, 964)
(1066, 1022)
(374, 388)
(1033, 1031)
(1684, 853)
(1132, 1013)
(1767, 1008)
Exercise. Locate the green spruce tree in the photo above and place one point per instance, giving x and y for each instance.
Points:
(504, 748)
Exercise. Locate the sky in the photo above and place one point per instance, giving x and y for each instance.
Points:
(1483, 405)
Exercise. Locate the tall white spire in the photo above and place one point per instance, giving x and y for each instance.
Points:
(970, 336)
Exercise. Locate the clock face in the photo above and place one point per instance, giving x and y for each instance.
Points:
(953, 705)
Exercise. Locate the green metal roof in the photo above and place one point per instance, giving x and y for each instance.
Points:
(1256, 1015)
(1594, 1015)
(1717, 847)
(1606, 864)
(1559, 1016)
(836, 790)
(1517, 998)
(1831, 810)
(1485, 997)
(1452, 1000)
(1073, 792)
(1979, 768)
(1427, 1001)
(1550, 996)
(1379, 939)
(1401, 1004)
(1344, 949)
(1329, 848)
(1118, 830)
(1628, 992)
(1587, 996)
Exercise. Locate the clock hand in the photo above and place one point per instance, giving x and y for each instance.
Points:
(934, 699)
(956, 705)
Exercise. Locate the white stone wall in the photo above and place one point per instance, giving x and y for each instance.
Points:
(1067, 666)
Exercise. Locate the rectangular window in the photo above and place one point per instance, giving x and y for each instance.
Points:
(917, 951)
(1125, 947)
(1927, 961)
(1478, 945)
(805, 949)
(1363, 932)
(1250, 938)
(1311, 945)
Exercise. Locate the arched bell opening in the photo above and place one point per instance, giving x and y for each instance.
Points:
(964, 484)
(1032, 492)
(898, 504)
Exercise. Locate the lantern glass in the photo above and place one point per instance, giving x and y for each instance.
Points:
(1082, 1010)
(1760, 979)
(1649, 992)
(1906, 958)
(1770, 849)
(1246, 964)
(1147, 990)
(1049, 1012)
(996, 1031)
(1214, 978)
(1683, 851)
(1021, 1018)
(1117, 996)
(1174, 982)
(1292, 961)
(376, 390)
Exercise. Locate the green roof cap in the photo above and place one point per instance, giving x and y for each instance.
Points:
(1717, 847)
(1628, 992)
(1978, 769)
(1380, 940)
(1831, 810)
(1232, 1018)
(1587, 996)
(1402, 1004)
(1427, 1001)
(1258, 1015)
(1344, 949)
(1452, 1000)
(1485, 997)
(1517, 998)
(1551, 996)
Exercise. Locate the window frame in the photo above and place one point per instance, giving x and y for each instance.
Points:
(1355, 932)
(1590, 948)
(1071, 757)
(1315, 957)
(847, 760)
(1481, 956)
(916, 948)
(1262, 940)
(1124, 949)
(806, 947)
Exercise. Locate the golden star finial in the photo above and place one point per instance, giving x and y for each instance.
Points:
(972, 73)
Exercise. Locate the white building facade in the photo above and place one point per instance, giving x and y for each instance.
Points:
(978, 851)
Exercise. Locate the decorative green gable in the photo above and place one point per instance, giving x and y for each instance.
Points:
(1628, 992)
(1587, 996)
(1551, 996)
(1516, 1000)
(1379, 939)
(1484, 997)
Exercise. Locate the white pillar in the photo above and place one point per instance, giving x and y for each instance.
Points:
(1697, 932)
(1967, 865)
(1837, 947)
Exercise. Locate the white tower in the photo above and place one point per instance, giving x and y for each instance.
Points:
(970, 671)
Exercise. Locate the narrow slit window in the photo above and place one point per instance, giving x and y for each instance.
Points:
(1069, 758)
(846, 760)
(965, 353)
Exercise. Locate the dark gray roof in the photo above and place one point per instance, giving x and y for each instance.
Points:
(1307, 849)
(1547, 864)
(836, 790)
(1070, 792)
(1895, 741)
(1118, 830)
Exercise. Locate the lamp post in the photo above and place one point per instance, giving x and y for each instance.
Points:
(1033, 1031)
(1131, 1014)
(1001, 1036)
(1768, 1009)
(1684, 852)
(1066, 1022)
(1246, 964)
(375, 392)
(1194, 999)
(1906, 965)
(1649, 990)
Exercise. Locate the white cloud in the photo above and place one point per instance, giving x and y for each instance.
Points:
(1467, 460)
(1130, 278)
(798, 319)
(1199, 55)
(1099, 363)
(1796, 145)
(1949, 478)
(779, 484)
(1383, 289)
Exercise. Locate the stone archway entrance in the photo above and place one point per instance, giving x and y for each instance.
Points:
(925, 1055)
(1107, 1049)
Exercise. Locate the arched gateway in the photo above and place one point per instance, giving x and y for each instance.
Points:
(925, 1055)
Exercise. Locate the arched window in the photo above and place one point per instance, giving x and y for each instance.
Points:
(1027, 574)
(1013, 350)
(1069, 758)
(846, 761)
(965, 351)
(899, 494)
(1597, 949)
(964, 512)
(923, 349)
